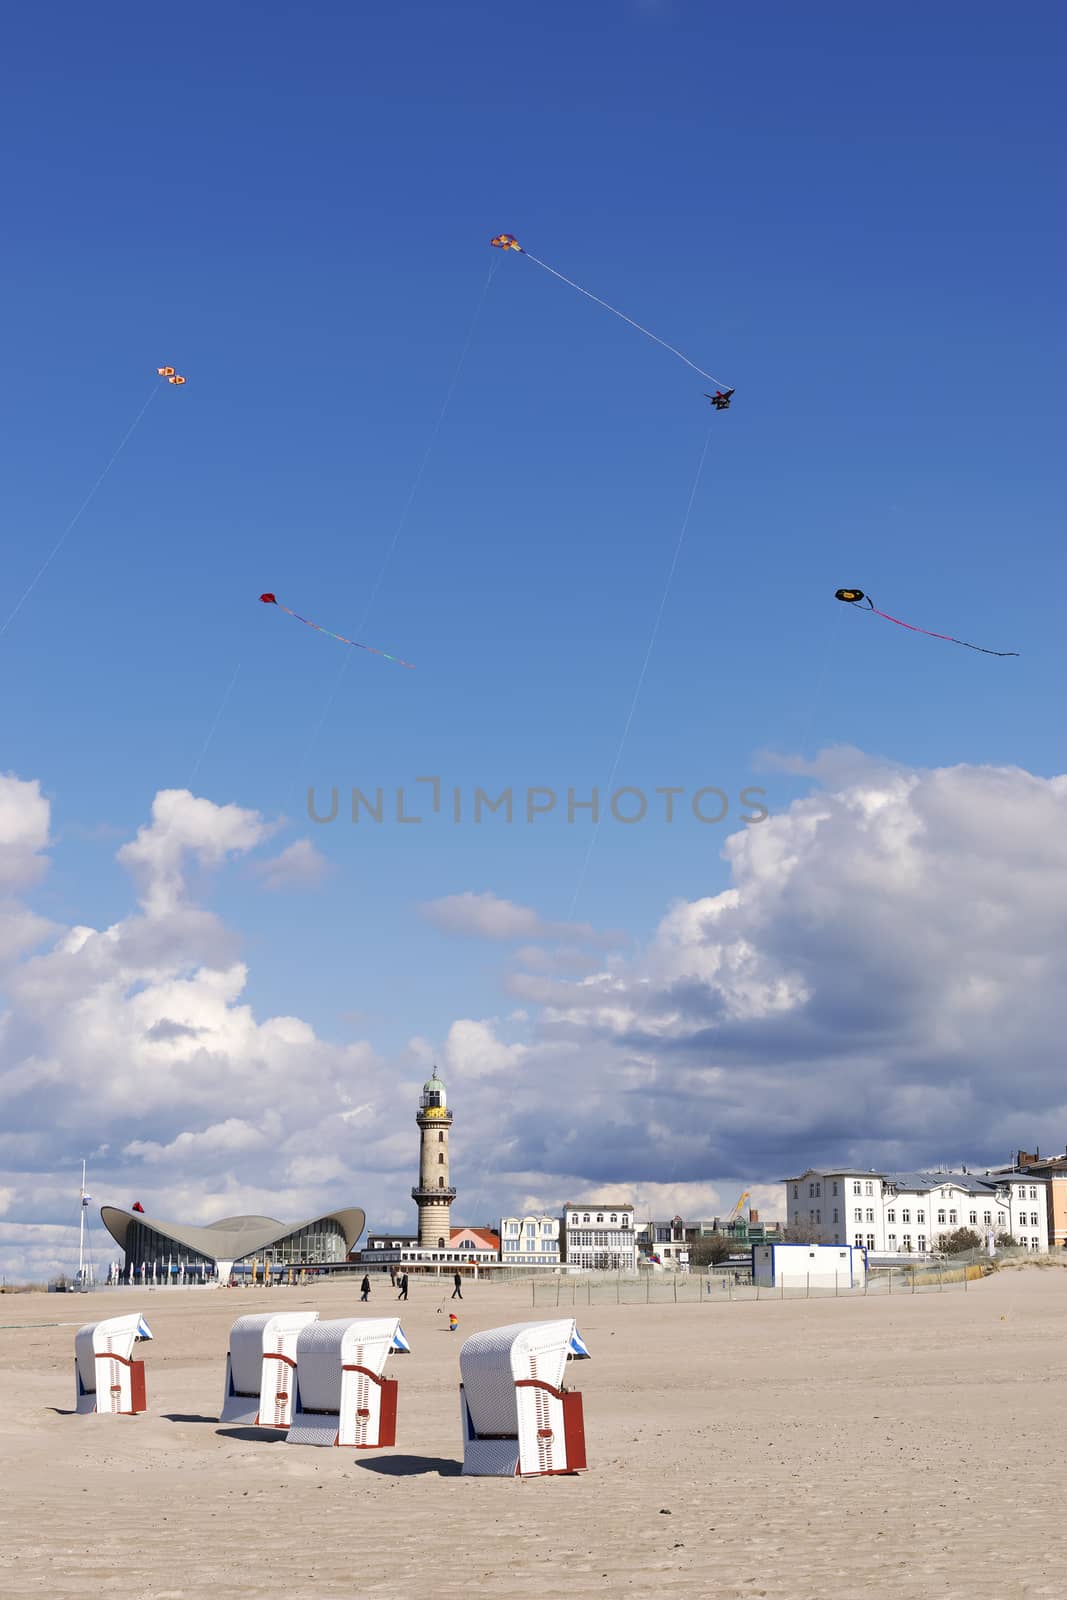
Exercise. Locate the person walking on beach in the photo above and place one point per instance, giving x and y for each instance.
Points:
(457, 1292)
(365, 1289)
(392, 1277)
(403, 1288)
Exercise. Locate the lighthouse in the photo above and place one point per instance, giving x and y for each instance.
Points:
(433, 1193)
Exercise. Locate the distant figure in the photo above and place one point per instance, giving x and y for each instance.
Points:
(365, 1289)
(403, 1288)
(392, 1277)
(457, 1292)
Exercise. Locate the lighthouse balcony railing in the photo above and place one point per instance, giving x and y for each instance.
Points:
(426, 1192)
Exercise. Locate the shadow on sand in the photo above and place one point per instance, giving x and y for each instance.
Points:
(412, 1466)
(181, 1416)
(252, 1435)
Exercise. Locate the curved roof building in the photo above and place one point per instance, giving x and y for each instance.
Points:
(317, 1242)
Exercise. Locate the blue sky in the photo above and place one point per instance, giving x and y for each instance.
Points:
(854, 218)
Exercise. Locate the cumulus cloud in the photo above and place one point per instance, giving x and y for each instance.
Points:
(473, 1050)
(300, 866)
(885, 980)
(25, 816)
(185, 825)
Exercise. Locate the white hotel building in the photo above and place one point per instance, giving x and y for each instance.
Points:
(529, 1241)
(600, 1238)
(908, 1213)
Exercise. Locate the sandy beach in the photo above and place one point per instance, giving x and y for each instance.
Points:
(838, 1448)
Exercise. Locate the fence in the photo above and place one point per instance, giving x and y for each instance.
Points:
(719, 1289)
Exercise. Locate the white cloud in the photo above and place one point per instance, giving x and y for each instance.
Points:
(487, 916)
(25, 816)
(472, 1050)
(185, 825)
(300, 866)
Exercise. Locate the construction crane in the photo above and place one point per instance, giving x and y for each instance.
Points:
(735, 1214)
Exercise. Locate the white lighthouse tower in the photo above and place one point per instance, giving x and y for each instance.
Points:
(433, 1194)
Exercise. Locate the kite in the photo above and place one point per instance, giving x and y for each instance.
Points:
(719, 400)
(170, 375)
(269, 600)
(508, 241)
(856, 597)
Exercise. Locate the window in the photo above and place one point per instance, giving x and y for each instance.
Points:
(1033, 1219)
(811, 1216)
(953, 1216)
(440, 1161)
(1022, 1191)
(1033, 1192)
(870, 1241)
(586, 1217)
(922, 1244)
(796, 1216)
(941, 1216)
(440, 1183)
(818, 1216)
(859, 1214)
(868, 1188)
(905, 1216)
(855, 1188)
(890, 1216)
(440, 1138)
(835, 1190)
(892, 1241)
(614, 1216)
(600, 1216)
(987, 1216)
(859, 1241)
(972, 1217)
(907, 1243)
(811, 1191)
(920, 1216)
(835, 1213)
(870, 1214)
(796, 1191)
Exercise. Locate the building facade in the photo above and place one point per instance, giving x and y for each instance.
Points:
(1054, 1171)
(433, 1194)
(531, 1241)
(909, 1213)
(600, 1238)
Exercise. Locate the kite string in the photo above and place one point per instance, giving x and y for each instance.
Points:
(615, 312)
(77, 515)
(214, 727)
(405, 512)
(644, 665)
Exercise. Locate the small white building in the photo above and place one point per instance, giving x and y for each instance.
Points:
(909, 1213)
(815, 1266)
(600, 1237)
(529, 1241)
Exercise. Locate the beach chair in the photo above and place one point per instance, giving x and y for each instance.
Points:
(341, 1396)
(107, 1380)
(261, 1367)
(518, 1420)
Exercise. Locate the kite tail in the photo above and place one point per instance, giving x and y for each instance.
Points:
(621, 314)
(950, 638)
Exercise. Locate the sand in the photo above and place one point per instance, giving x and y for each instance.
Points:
(911, 1447)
